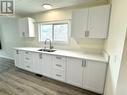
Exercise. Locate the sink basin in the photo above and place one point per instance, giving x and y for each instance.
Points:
(47, 50)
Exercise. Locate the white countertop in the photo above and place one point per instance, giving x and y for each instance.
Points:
(75, 54)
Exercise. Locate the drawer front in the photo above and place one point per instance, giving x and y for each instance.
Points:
(27, 66)
(59, 75)
(28, 56)
(59, 62)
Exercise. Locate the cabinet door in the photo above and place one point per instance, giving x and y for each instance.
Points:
(94, 76)
(74, 74)
(31, 27)
(38, 63)
(23, 27)
(79, 23)
(98, 22)
(26, 27)
(18, 59)
(47, 67)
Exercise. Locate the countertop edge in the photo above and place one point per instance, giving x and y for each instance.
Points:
(84, 56)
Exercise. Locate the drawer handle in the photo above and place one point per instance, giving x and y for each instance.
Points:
(83, 63)
(17, 52)
(59, 57)
(40, 56)
(28, 66)
(86, 33)
(26, 52)
(58, 75)
(27, 59)
(58, 65)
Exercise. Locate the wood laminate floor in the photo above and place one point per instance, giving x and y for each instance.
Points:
(15, 81)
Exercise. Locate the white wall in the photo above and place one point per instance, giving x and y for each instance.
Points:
(122, 81)
(115, 43)
(86, 45)
(9, 36)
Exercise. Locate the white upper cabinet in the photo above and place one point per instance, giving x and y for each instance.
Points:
(94, 76)
(26, 27)
(79, 23)
(91, 22)
(98, 22)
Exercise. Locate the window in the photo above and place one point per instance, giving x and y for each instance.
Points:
(56, 32)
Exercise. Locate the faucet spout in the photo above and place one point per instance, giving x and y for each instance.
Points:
(50, 43)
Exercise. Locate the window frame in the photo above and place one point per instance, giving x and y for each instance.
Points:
(68, 22)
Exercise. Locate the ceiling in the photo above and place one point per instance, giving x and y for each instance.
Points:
(33, 6)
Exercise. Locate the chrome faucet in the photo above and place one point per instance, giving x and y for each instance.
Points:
(50, 44)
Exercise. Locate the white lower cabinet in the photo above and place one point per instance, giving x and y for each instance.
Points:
(59, 68)
(74, 72)
(89, 75)
(18, 55)
(58, 75)
(47, 66)
(42, 64)
(94, 76)
(83, 73)
(38, 63)
(28, 60)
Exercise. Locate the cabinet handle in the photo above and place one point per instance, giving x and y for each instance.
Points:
(26, 52)
(83, 63)
(17, 52)
(23, 33)
(58, 75)
(58, 57)
(28, 66)
(86, 33)
(40, 56)
(27, 58)
(58, 65)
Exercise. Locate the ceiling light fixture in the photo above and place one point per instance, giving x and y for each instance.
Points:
(47, 6)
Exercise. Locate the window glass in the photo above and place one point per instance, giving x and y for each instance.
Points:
(46, 32)
(61, 32)
(56, 32)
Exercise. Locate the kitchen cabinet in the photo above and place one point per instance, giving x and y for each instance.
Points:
(79, 23)
(42, 64)
(59, 62)
(94, 76)
(47, 67)
(83, 73)
(26, 27)
(18, 59)
(59, 68)
(91, 22)
(38, 63)
(28, 60)
(86, 74)
(74, 72)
